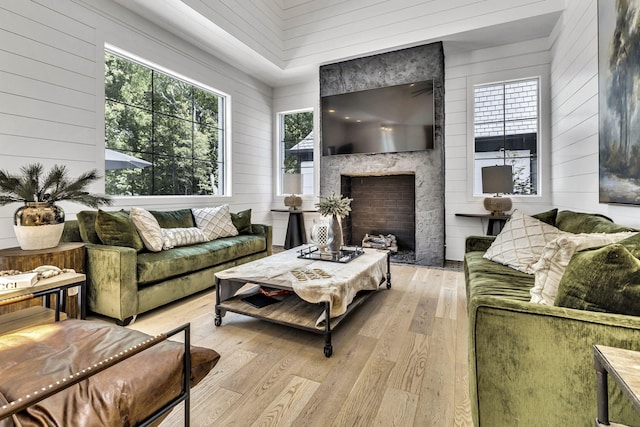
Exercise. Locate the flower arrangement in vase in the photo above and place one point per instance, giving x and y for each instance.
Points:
(40, 222)
(336, 208)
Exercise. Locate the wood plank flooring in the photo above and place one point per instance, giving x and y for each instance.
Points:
(399, 360)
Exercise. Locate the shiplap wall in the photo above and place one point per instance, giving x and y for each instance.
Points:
(291, 98)
(574, 105)
(52, 98)
(463, 70)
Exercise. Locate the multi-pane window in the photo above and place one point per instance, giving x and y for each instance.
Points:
(506, 129)
(174, 127)
(296, 148)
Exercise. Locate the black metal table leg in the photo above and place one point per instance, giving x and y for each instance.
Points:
(388, 270)
(218, 319)
(601, 393)
(328, 347)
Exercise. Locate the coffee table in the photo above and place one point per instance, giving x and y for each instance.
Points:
(320, 295)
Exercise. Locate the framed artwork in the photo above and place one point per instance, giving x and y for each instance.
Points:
(619, 101)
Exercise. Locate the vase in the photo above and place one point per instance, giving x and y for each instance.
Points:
(336, 234)
(38, 225)
(320, 233)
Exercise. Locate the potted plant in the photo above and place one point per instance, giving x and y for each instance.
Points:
(335, 207)
(40, 222)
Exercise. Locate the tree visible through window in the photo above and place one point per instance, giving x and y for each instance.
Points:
(175, 126)
(296, 147)
(506, 132)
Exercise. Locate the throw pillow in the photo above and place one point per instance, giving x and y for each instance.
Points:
(180, 218)
(174, 237)
(116, 229)
(555, 257)
(548, 216)
(242, 221)
(214, 222)
(521, 242)
(87, 226)
(148, 228)
(606, 279)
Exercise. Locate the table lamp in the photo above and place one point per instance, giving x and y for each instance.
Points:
(292, 184)
(496, 180)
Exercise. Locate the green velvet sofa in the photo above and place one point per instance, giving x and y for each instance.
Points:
(532, 364)
(124, 281)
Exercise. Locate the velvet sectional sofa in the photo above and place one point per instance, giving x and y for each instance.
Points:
(125, 278)
(531, 363)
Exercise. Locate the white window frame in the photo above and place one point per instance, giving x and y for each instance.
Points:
(226, 139)
(541, 72)
(279, 155)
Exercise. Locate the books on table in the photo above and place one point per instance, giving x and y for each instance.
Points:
(18, 281)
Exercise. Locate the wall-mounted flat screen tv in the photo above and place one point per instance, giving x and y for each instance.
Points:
(382, 120)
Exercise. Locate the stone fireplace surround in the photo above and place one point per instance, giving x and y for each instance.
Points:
(393, 68)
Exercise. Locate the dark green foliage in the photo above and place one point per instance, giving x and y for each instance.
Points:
(172, 124)
(33, 185)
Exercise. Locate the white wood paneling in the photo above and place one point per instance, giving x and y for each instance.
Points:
(462, 71)
(52, 98)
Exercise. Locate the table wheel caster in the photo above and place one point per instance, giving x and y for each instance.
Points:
(218, 321)
(328, 350)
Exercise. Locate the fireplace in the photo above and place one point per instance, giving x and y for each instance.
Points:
(424, 167)
(382, 205)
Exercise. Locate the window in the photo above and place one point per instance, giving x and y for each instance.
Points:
(176, 127)
(506, 129)
(295, 136)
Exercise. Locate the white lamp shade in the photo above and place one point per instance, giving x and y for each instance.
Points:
(292, 183)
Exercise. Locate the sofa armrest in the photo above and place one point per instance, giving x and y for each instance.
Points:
(525, 356)
(267, 232)
(111, 280)
(478, 243)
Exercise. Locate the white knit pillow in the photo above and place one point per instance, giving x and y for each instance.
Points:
(556, 256)
(148, 228)
(521, 242)
(174, 237)
(214, 222)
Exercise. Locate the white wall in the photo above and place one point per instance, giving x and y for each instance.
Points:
(52, 98)
(291, 98)
(463, 70)
(574, 105)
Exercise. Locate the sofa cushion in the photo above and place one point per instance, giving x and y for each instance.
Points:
(215, 222)
(521, 241)
(547, 216)
(180, 218)
(492, 279)
(580, 222)
(87, 226)
(175, 237)
(606, 279)
(156, 266)
(148, 228)
(556, 256)
(242, 221)
(116, 229)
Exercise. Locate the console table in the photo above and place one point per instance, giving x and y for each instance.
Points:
(624, 368)
(65, 255)
(496, 222)
(296, 234)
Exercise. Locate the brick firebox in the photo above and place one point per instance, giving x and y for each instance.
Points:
(381, 205)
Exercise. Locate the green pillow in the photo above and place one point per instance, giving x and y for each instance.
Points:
(580, 222)
(606, 279)
(116, 229)
(181, 218)
(548, 216)
(242, 221)
(87, 226)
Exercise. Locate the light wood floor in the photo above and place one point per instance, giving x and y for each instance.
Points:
(399, 360)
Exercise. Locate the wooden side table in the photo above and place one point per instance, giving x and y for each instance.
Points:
(624, 368)
(65, 255)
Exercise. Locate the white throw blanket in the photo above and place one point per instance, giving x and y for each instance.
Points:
(362, 273)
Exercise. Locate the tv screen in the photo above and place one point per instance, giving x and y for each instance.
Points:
(383, 120)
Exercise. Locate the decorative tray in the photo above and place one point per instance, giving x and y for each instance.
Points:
(344, 256)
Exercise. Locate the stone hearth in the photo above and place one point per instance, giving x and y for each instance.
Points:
(393, 68)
